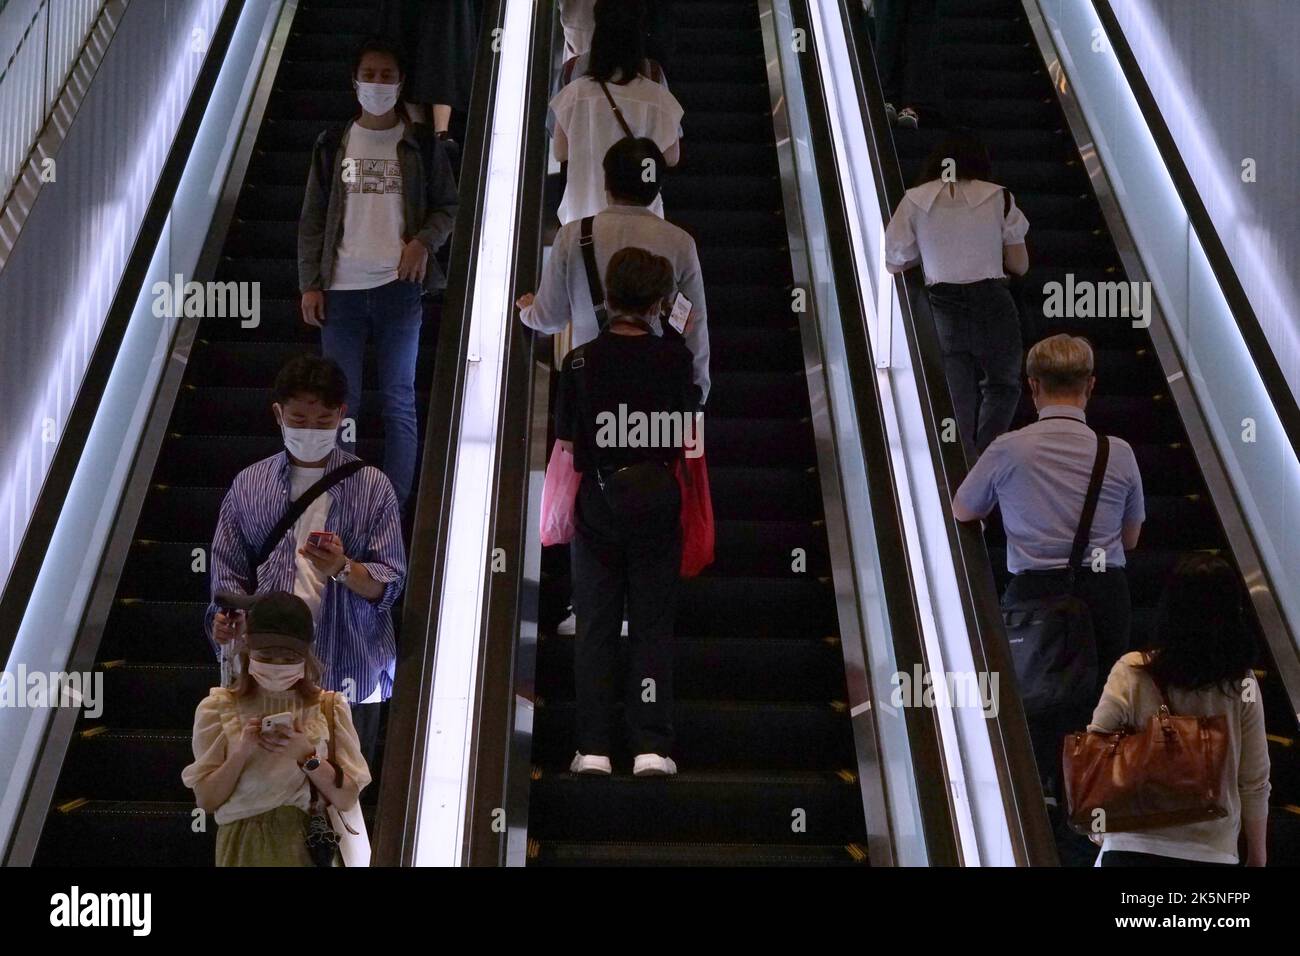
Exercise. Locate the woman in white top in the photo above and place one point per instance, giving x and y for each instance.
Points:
(967, 233)
(258, 785)
(1201, 654)
(587, 124)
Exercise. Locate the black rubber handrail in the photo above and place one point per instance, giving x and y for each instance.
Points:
(1033, 843)
(929, 772)
(81, 416)
(1257, 344)
(406, 738)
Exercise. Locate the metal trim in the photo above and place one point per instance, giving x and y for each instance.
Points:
(1029, 830)
(875, 801)
(1259, 586)
(37, 799)
(31, 552)
(929, 773)
(510, 606)
(397, 814)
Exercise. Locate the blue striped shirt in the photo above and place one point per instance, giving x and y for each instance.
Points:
(354, 637)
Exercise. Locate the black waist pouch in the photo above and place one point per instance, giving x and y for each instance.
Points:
(636, 491)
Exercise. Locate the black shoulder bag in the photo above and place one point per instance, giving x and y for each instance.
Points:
(299, 507)
(1053, 645)
(586, 243)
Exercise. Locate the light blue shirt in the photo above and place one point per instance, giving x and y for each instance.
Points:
(1040, 474)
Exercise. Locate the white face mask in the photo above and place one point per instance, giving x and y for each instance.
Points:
(276, 677)
(309, 444)
(377, 98)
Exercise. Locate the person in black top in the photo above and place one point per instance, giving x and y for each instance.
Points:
(628, 405)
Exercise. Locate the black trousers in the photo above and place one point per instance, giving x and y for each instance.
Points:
(616, 564)
(366, 719)
(1107, 597)
(907, 53)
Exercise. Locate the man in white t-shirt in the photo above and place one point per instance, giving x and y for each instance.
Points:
(380, 202)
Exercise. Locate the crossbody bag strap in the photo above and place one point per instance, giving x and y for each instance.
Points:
(298, 508)
(618, 113)
(587, 243)
(1090, 503)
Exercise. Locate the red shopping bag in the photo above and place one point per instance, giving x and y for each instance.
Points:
(559, 497)
(697, 515)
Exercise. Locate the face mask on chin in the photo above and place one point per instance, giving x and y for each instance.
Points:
(276, 678)
(377, 98)
(309, 444)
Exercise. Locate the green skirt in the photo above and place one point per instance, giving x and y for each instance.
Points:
(275, 838)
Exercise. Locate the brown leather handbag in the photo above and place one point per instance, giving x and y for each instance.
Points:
(1167, 775)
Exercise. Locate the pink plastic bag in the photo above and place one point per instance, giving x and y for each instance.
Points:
(559, 497)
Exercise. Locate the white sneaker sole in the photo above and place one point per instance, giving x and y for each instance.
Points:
(569, 626)
(653, 765)
(590, 765)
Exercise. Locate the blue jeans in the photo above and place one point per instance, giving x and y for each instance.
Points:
(979, 331)
(388, 316)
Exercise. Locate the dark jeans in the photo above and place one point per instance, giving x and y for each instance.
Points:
(618, 564)
(389, 317)
(1107, 597)
(1133, 858)
(979, 332)
(907, 53)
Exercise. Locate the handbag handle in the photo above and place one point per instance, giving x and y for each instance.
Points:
(327, 705)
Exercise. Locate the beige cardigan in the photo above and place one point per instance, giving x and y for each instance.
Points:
(1131, 698)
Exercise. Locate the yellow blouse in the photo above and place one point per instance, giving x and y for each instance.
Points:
(269, 780)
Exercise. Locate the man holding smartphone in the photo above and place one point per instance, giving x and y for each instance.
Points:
(317, 522)
(633, 173)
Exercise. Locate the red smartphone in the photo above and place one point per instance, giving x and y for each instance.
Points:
(317, 539)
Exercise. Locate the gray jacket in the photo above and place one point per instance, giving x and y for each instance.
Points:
(429, 197)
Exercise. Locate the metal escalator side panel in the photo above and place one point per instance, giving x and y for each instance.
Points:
(992, 776)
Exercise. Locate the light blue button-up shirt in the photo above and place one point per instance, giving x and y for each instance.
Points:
(1039, 474)
(564, 294)
(355, 642)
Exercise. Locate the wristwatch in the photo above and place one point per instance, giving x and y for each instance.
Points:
(310, 764)
(341, 575)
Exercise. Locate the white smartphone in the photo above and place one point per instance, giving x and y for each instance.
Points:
(680, 314)
(276, 722)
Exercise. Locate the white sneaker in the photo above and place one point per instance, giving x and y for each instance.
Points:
(653, 765)
(569, 626)
(891, 114)
(590, 763)
(908, 119)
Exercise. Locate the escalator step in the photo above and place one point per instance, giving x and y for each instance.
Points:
(99, 833)
(775, 669)
(156, 695)
(693, 806)
(721, 735)
(699, 854)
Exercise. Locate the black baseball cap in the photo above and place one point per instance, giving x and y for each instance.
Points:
(276, 619)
